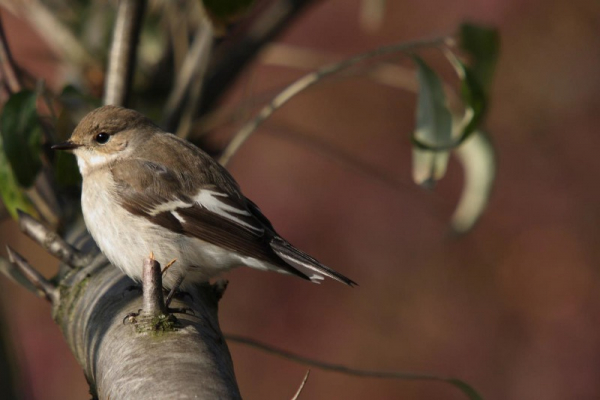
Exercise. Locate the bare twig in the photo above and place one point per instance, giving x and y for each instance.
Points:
(45, 288)
(153, 303)
(123, 52)
(58, 36)
(297, 395)
(43, 197)
(333, 152)
(9, 67)
(309, 80)
(189, 81)
(10, 271)
(51, 241)
(342, 369)
(233, 58)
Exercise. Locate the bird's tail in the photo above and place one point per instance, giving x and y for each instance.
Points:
(302, 261)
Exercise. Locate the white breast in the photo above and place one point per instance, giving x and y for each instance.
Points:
(127, 239)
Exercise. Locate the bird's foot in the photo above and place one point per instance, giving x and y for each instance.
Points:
(132, 317)
(175, 289)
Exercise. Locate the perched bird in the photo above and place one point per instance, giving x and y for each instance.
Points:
(145, 190)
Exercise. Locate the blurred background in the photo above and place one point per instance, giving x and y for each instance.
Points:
(511, 307)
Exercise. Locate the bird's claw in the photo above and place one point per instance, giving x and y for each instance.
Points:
(131, 317)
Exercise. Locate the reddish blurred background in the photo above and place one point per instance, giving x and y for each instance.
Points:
(512, 307)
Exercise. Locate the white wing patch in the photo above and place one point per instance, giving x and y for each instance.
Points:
(210, 200)
(178, 216)
(169, 206)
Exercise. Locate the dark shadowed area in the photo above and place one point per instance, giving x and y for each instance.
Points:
(511, 307)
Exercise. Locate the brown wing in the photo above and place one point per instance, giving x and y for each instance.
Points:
(165, 198)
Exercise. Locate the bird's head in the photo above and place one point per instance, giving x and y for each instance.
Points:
(107, 134)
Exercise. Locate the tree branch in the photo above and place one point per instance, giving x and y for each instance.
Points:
(297, 395)
(50, 241)
(44, 287)
(233, 58)
(309, 80)
(189, 81)
(9, 67)
(466, 389)
(156, 356)
(123, 52)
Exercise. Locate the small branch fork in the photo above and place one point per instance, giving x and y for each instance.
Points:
(44, 288)
(21, 271)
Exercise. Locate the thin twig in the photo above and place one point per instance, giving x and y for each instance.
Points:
(309, 80)
(123, 52)
(48, 208)
(51, 241)
(301, 385)
(342, 369)
(189, 82)
(233, 58)
(289, 56)
(13, 273)
(332, 152)
(9, 67)
(45, 288)
(58, 36)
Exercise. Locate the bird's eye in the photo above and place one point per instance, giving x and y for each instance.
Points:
(102, 137)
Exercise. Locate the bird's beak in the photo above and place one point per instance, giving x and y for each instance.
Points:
(68, 145)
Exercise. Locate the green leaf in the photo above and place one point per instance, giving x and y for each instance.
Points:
(478, 160)
(483, 45)
(433, 128)
(12, 195)
(22, 135)
(434, 120)
(473, 97)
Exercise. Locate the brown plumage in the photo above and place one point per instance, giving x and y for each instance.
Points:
(192, 207)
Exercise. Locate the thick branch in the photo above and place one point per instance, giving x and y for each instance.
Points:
(187, 358)
(156, 356)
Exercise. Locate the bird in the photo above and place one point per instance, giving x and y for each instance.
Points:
(148, 191)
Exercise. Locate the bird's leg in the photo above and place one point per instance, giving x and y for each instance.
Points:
(174, 290)
(177, 292)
